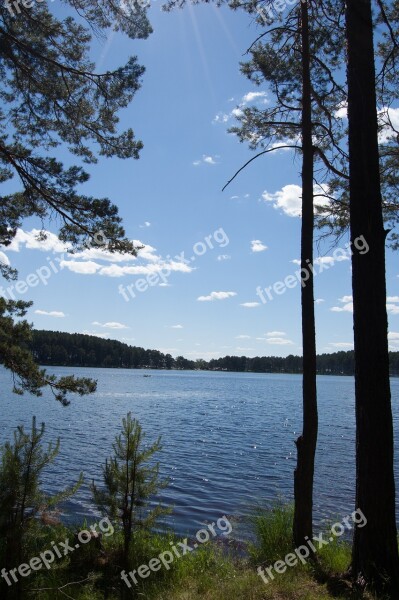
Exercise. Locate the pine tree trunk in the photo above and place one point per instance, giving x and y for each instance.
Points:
(306, 443)
(375, 549)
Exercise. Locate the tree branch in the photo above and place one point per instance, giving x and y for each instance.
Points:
(253, 158)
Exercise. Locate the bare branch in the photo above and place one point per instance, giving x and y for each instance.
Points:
(257, 156)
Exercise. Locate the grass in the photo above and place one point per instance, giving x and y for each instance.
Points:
(209, 573)
(273, 533)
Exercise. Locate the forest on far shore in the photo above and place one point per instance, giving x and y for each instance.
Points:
(81, 350)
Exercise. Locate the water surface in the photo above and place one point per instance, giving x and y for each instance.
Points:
(228, 438)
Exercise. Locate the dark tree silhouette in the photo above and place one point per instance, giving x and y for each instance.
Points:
(375, 558)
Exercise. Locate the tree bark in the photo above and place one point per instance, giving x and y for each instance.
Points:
(375, 558)
(306, 443)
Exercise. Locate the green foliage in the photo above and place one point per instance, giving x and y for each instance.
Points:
(335, 557)
(60, 348)
(91, 573)
(130, 481)
(53, 95)
(21, 496)
(15, 334)
(273, 532)
(334, 218)
(80, 350)
(22, 464)
(276, 63)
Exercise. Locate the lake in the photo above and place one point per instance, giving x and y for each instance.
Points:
(228, 438)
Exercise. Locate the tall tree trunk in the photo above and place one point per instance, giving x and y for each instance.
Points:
(375, 548)
(306, 443)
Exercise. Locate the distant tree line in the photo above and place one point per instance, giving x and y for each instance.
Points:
(80, 350)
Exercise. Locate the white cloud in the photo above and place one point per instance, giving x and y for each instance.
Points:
(324, 260)
(176, 326)
(237, 112)
(110, 325)
(276, 338)
(258, 246)
(279, 341)
(245, 197)
(52, 313)
(330, 260)
(250, 304)
(243, 337)
(216, 296)
(223, 257)
(87, 267)
(204, 355)
(347, 301)
(342, 112)
(120, 271)
(4, 259)
(146, 252)
(393, 339)
(346, 308)
(89, 261)
(94, 261)
(321, 260)
(342, 345)
(389, 119)
(289, 199)
(221, 118)
(319, 300)
(95, 333)
(145, 225)
(33, 241)
(206, 159)
(251, 96)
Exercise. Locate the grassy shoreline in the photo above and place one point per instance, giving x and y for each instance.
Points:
(214, 571)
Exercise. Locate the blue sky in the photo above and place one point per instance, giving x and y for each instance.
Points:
(210, 250)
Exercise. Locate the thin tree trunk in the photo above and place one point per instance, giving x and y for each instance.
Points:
(306, 443)
(375, 548)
